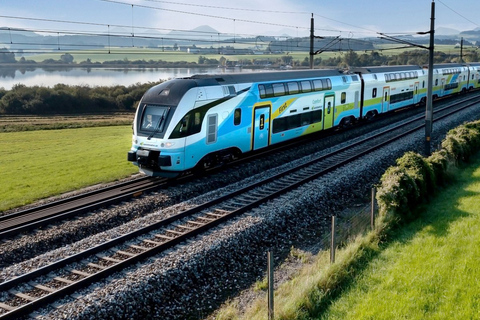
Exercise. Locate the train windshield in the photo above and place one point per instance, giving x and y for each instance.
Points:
(153, 119)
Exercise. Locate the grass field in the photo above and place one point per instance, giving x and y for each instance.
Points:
(431, 269)
(38, 164)
(147, 54)
(156, 54)
(13, 123)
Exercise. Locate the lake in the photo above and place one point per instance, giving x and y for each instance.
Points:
(49, 77)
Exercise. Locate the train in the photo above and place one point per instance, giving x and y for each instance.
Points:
(200, 121)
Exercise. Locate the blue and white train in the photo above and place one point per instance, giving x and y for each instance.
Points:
(199, 121)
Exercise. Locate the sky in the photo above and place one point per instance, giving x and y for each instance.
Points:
(347, 18)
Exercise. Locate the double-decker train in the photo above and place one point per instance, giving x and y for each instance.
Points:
(199, 121)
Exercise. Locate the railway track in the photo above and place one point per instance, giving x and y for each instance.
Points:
(42, 286)
(33, 218)
(29, 219)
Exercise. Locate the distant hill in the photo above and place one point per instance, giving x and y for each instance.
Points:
(201, 36)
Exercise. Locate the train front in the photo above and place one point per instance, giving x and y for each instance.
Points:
(157, 114)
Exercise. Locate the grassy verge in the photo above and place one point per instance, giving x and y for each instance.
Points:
(430, 269)
(39, 164)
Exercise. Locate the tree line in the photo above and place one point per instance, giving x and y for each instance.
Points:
(65, 99)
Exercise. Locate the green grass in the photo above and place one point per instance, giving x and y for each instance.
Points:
(39, 164)
(431, 269)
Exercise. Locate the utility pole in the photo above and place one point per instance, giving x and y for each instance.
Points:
(312, 36)
(461, 50)
(430, 48)
(429, 107)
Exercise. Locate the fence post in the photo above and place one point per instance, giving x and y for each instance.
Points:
(372, 212)
(270, 285)
(332, 242)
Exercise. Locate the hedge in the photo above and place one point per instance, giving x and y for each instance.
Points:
(414, 178)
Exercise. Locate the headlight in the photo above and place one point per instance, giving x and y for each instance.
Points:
(167, 144)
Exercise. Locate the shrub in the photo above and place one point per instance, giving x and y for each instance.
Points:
(421, 171)
(440, 164)
(397, 194)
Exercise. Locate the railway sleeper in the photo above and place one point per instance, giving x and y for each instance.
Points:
(126, 253)
(176, 233)
(216, 215)
(207, 219)
(7, 307)
(23, 296)
(63, 280)
(195, 223)
(80, 273)
(151, 242)
(109, 259)
(180, 226)
(42, 287)
(137, 247)
(164, 237)
(97, 266)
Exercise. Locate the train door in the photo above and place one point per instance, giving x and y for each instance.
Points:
(328, 111)
(386, 99)
(261, 127)
(442, 88)
(415, 93)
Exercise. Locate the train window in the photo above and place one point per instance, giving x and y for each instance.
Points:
(191, 123)
(278, 89)
(375, 77)
(279, 125)
(436, 82)
(306, 86)
(343, 98)
(423, 84)
(266, 90)
(237, 116)
(374, 93)
(294, 121)
(326, 84)
(317, 85)
(355, 78)
(316, 116)
(306, 118)
(292, 87)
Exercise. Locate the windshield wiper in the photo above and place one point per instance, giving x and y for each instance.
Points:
(157, 128)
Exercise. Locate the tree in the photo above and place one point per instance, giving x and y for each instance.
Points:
(7, 56)
(66, 58)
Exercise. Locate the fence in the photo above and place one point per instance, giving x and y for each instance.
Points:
(343, 229)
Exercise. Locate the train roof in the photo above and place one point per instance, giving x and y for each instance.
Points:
(384, 69)
(251, 77)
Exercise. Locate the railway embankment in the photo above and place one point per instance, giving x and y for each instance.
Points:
(434, 248)
(194, 279)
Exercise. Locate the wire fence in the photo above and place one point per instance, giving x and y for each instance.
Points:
(344, 229)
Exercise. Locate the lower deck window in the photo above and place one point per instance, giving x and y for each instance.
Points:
(296, 121)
